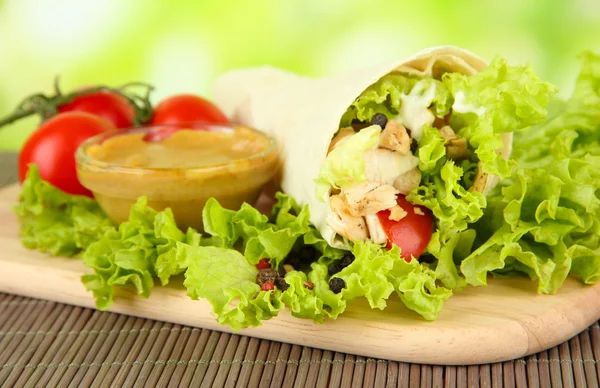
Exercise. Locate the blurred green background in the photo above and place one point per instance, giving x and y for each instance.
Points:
(181, 46)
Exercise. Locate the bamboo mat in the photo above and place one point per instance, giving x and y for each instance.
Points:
(51, 344)
(47, 344)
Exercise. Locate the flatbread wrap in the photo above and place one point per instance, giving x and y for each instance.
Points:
(427, 135)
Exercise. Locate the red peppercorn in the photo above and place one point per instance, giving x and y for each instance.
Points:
(268, 286)
(263, 264)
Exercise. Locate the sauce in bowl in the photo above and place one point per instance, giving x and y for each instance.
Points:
(181, 170)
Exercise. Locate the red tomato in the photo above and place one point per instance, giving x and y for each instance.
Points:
(52, 148)
(187, 108)
(412, 233)
(110, 106)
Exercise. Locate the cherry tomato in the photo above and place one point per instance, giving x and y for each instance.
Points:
(412, 233)
(52, 148)
(187, 108)
(108, 105)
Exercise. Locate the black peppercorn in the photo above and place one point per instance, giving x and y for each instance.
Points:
(379, 119)
(282, 284)
(413, 146)
(334, 268)
(336, 285)
(346, 260)
(281, 270)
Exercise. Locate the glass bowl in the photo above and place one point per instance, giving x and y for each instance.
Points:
(177, 166)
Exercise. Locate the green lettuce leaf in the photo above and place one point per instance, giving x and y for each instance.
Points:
(386, 97)
(416, 285)
(573, 131)
(218, 222)
(258, 237)
(226, 279)
(453, 206)
(550, 217)
(168, 264)
(142, 248)
(377, 272)
(501, 98)
(545, 221)
(368, 274)
(512, 97)
(431, 151)
(450, 255)
(316, 304)
(345, 165)
(55, 222)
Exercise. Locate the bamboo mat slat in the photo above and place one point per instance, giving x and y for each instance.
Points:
(46, 344)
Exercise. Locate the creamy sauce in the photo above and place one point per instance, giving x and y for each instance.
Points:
(461, 106)
(182, 149)
(414, 111)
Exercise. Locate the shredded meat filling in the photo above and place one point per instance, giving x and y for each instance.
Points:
(456, 146)
(369, 198)
(376, 232)
(384, 166)
(408, 181)
(343, 223)
(395, 138)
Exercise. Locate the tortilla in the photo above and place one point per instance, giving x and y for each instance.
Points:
(303, 114)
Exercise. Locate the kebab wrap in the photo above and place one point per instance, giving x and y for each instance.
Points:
(433, 130)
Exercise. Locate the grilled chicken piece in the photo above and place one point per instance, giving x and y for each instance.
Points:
(457, 149)
(456, 146)
(369, 198)
(397, 213)
(480, 179)
(384, 166)
(376, 233)
(408, 181)
(395, 138)
(344, 224)
(342, 135)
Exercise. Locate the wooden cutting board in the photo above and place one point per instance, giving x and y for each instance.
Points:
(503, 321)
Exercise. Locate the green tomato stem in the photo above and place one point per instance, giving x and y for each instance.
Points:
(47, 106)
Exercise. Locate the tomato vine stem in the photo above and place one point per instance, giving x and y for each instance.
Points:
(47, 106)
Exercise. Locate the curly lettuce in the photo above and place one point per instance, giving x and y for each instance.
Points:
(141, 249)
(55, 222)
(386, 96)
(544, 222)
(228, 281)
(259, 237)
